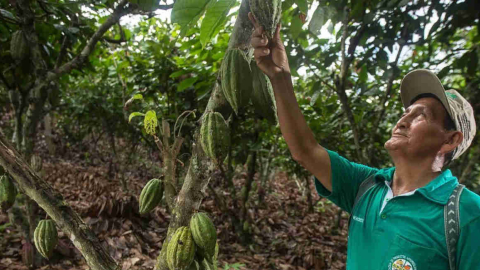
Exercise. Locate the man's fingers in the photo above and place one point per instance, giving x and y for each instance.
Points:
(259, 42)
(260, 52)
(276, 36)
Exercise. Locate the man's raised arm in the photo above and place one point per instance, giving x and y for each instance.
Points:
(271, 58)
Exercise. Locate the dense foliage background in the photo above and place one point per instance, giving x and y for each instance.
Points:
(347, 59)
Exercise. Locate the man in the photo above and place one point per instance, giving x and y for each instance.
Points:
(399, 222)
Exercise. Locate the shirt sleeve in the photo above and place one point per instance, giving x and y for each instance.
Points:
(346, 179)
(469, 246)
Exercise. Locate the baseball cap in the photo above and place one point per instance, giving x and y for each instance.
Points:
(423, 81)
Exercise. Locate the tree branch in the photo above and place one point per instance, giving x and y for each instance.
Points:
(53, 203)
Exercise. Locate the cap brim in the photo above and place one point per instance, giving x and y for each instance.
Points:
(422, 81)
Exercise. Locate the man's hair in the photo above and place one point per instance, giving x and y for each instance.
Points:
(448, 124)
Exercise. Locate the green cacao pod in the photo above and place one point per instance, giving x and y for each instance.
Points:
(7, 193)
(194, 266)
(36, 163)
(19, 48)
(205, 265)
(28, 254)
(151, 196)
(214, 136)
(45, 237)
(267, 13)
(263, 99)
(204, 234)
(181, 249)
(236, 78)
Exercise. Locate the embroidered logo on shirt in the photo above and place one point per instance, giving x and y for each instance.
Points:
(358, 219)
(401, 262)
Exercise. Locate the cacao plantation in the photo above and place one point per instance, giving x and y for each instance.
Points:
(8, 192)
(46, 237)
(151, 196)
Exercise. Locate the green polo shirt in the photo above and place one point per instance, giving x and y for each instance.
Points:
(409, 233)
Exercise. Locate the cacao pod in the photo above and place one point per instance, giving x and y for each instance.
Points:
(151, 196)
(194, 266)
(263, 99)
(54, 94)
(28, 254)
(7, 193)
(181, 249)
(267, 13)
(236, 78)
(45, 237)
(36, 163)
(204, 234)
(19, 48)
(205, 265)
(214, 136)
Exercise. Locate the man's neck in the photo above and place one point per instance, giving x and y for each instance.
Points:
(409, 176)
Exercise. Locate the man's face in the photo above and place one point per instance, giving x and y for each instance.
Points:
(420, 131)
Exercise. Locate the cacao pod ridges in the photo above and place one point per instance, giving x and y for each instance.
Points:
(19, 48)
(204, 234)
(150, 196)
(236, 77)
(267, 13)
(45, 237)
(36, 163)
(181, 249)
(214, 136)
(8, 192)
(263, 98)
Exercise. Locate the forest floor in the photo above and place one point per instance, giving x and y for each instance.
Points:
(284, 234)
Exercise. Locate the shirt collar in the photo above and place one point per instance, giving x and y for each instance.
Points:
(438, 190)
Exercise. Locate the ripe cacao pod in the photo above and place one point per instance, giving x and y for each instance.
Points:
(236, 78)
(36, 163)
(19, 48)
(214, 136)
(28, 254)
(181, 249)
(45, 237)
(151, 196)
(263, 99)
(267, 13)
(204, 234)
(7, 193)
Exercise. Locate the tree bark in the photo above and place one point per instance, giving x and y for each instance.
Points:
(52, 202)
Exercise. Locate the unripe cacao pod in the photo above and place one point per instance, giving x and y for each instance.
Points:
(36, 163)
(263, 99)
(19, 48)
(204, 234)
(28, 254)
(181, 249)
(205, 265)
(214, 136)
(7, 193)
(236, 78)
(267, 13)
(194, 266)
(45, 237)
(151, 196)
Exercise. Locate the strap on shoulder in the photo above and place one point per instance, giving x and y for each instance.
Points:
(452, 224)
(364, 187)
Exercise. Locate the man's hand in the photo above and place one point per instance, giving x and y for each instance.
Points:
(270, 56)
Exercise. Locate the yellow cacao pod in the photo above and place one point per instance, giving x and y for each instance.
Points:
(181, 249)
(45, 237)
(267, 13)
(236, 78)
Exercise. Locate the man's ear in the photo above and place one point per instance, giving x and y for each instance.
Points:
(453, 139)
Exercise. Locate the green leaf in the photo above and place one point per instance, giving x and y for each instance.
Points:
(317, 21)
(177, 74)
(215, 18)
(302, 5)
(7, 14)
(186, 83)
(187, 12)
(137, 96)
(133, 114)
(150, 122)
(296, 27)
